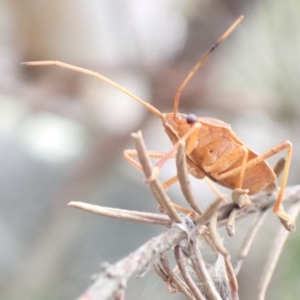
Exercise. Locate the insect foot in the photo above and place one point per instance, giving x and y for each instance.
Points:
(286, 221)
(240, 197)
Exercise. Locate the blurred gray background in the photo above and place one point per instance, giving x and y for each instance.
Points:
(62, 134)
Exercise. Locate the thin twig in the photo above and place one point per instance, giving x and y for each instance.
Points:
(249, 238)
(232, 278)
(112, 280)
(202, 273)
(215, 236)
(122, 214)
(160, 271)
(259, 202)
(186, 275)
(230, 226)
(209, 212)
(183, 179)
(107, 286)
(155, 185)
(219, 245)
(179, 283)
(275, 253)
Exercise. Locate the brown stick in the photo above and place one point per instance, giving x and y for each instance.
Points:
(249, 239)
(183, 179)
(123, 214)
(155, 185)
(179, 283)
(186, 275)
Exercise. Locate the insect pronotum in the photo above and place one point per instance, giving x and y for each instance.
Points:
(212, 148)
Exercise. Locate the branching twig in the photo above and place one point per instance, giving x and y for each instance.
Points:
(260, 202)
(155, 185)
(202, 273)
(123, 214)
(183, 179)
(221, 249)
(112, 280)
(181, 285)
(258, 221)
(160, 271)
(186, 275)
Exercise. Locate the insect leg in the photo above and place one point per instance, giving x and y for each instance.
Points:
(192, 134)
(239, 182)
(278, 168)
(214, 189)
(129, 156)
(260, 158)
(287, 221)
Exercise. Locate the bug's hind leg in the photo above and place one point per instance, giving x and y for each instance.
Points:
(285, 219)
(278, 168)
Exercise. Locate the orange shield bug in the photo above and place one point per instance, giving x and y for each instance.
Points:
(212, 148)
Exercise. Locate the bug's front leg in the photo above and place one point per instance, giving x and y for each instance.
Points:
(191, 135)
(130, 156)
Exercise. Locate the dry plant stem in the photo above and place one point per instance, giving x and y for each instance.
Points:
(259, 202)
(155, 185)
(247, 243)
(122, 214)
(274, 254)
(181, 285)
(210, 211)
(230, 226)
(183, 178)
(232, 278)
(111, 280)
(202, 273)
(114, 277)
(180, 259)
(160, 271)
(219, 245)
(215, 236)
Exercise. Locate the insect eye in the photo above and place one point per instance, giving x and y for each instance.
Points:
(191, 118)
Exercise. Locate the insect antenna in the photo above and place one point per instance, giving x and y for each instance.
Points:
(98, 76)
(201, 61)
